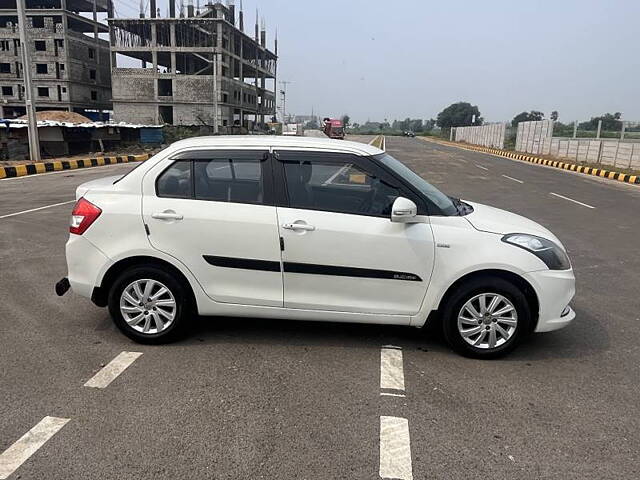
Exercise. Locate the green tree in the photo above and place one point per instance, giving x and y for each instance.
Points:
(531, 116)
(610, 121)
(459, 115)
(345, 121)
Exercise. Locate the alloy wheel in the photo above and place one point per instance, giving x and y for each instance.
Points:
(487, 320)
(148, 306)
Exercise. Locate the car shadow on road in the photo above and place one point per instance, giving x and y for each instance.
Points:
(583, 338)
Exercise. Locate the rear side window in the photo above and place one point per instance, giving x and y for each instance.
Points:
(175, 181)
(236, 178)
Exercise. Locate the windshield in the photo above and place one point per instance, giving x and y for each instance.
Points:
(432, 193)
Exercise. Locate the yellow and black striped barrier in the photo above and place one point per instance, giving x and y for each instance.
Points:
(599, 172)
(59, 165)
(378, 142)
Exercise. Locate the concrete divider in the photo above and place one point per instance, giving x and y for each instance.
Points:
(58, 165)
(599, 172)
(378, 142)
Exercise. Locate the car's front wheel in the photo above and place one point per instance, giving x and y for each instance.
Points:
(486, 318)
(149, 305)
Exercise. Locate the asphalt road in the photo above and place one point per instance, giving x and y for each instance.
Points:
(246, 398)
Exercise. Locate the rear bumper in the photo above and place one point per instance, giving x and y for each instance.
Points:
(84, 262)
(555, 289)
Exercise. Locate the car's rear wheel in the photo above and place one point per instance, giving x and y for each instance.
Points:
(149, 305)
(486, 318)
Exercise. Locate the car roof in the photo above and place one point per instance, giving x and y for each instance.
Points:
(267, 141)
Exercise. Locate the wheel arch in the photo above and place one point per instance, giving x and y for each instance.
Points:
(521, 283)
(100, 294)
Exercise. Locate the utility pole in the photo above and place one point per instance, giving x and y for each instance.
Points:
(215, 93)
(284, 84)
(214, 66)
(34, 141)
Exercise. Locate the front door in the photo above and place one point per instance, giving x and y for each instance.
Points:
(212, 210)
(341, 250)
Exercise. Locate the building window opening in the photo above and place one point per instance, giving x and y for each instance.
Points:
(165, 87)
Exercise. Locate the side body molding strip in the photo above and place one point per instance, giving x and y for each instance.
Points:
(309, 268)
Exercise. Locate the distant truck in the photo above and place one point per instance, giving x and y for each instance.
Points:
(333, 128)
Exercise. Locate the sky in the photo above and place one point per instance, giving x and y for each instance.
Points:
(376, 60)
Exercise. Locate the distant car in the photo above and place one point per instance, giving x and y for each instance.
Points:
(409, 134)
(309, 229)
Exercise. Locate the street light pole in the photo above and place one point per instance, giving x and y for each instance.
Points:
(34, 141)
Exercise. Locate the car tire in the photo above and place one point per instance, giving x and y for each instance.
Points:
(164, 318)
(504, 330)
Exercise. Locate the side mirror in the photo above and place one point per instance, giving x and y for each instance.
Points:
(403, 210)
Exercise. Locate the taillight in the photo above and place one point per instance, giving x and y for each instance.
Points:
(83, 215)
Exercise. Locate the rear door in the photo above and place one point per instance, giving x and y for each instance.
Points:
(341, 250)
(213, 211)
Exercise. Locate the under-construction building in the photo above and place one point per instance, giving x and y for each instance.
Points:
(69, 61)
(196, 66)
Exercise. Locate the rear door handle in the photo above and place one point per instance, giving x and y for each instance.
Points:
(298, 226)
(167, 215)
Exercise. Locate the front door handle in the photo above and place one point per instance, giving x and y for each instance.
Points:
(167, 215)
(298, 226)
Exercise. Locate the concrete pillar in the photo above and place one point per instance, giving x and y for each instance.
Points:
(172, 34)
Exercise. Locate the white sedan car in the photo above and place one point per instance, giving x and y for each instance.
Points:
(309, 229)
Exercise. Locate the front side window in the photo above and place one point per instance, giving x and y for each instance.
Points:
(431, 193)
(175, 181)
(335, 183)
(236, 178)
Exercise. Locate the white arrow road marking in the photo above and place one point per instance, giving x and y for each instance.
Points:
(28, 444)
(391, 371)
(395, 448)
(111, 371)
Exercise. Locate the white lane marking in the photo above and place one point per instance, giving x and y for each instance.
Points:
(28, 444)
(395, 448)
(571, 200)
(480, 166)
(387, 394)
(511, 178)
(36, 209)
(111, 371)
(391, 371)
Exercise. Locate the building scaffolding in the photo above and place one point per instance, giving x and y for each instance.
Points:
(196, 69)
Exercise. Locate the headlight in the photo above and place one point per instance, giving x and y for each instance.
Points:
(551, 254)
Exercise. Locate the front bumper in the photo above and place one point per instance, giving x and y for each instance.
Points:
(555, 289)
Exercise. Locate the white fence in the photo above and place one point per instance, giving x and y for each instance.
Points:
(537, 137)
(490, 135)
(607, 152)
(534, 137)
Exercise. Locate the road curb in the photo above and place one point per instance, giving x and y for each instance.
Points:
(598, 172)
(59, 165)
